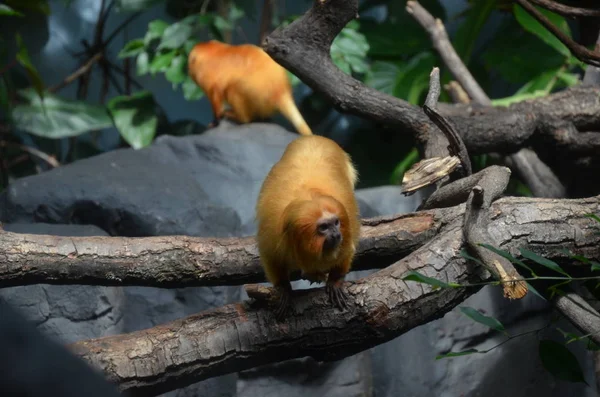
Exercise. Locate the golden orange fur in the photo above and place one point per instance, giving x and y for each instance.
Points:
(248, 79)
(312, 182)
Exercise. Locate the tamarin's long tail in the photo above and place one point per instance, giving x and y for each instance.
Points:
(288, 108)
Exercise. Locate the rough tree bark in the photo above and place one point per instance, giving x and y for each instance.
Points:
(382, 306)
(181, 261)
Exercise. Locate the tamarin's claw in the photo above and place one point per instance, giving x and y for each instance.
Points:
(284, 300)
(337, 295)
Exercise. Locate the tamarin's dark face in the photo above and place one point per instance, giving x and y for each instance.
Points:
(328, 228)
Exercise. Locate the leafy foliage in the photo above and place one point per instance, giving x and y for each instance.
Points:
(135, 118)
(55, 117)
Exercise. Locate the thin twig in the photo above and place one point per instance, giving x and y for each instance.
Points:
(265, 20)
(567, 10)
(33, 151)
(442, 44)
(78, 73)
(582, 53)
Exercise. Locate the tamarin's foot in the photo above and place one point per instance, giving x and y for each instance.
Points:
(337, 295)
(285, 293)
(214, 123)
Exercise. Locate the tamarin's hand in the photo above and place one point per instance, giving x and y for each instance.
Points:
(308, 218)
(248, 79)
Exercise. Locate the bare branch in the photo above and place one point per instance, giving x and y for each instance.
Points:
(382, 306)
(537, 175)
(592, 73)
(442, 44)
(78, 73)
(181, 261)
(567, 10)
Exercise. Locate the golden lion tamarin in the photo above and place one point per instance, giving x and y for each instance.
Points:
(248, 79)
(308, 217)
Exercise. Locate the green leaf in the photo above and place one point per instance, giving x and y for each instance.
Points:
(594, 217)
(457, 354)
(420, 278)
(513, 62)
(135, 118)
(411, 158)
(142, 64)
(40, 6)
(161, 62)
(477, 316)
(133, 48)
(570, 79)
(535, 291)
(7, 11)
(469, 31)
(560, 362)
(530, 24)
(507, 255)
(135, 5)
(23, 59)
(543, 261)
(176, 72)
(59, 118)
(349, 50)
(155, 31)
(176, 35)
(465, 254)
(4, 101)
(191, 90)
(413, 80)
(383, 76)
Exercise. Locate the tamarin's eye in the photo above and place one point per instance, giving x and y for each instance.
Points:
(323, 227)
(337, 222)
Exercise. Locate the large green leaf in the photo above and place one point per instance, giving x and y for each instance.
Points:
(550, 264)
(349, 50)
(135, 5)
(176, 72)
(530, 24)
(58, 118)
(40, 6)
(191, 90)
(514, 62)
(175, 35)
(382, 76)
(468, 31)
(413, 80)
(161, 62)
(135, 118)
(133, 48)
(142, 63)
(155, 31)
(23, 59)
(7, 11)
(560, 362)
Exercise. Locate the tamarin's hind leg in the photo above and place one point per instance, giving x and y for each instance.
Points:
(241, 109)
(335, 285)
(216, 102)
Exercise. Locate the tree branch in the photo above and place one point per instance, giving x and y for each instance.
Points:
(303, 48)
(78, 73)
(582, 53)
(537, 175)
(382, 306)
(580, 313)
(181, 261)
(566, 10)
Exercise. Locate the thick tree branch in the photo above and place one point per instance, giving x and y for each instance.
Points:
(303, 48)
(181, 261)
(382, 306)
